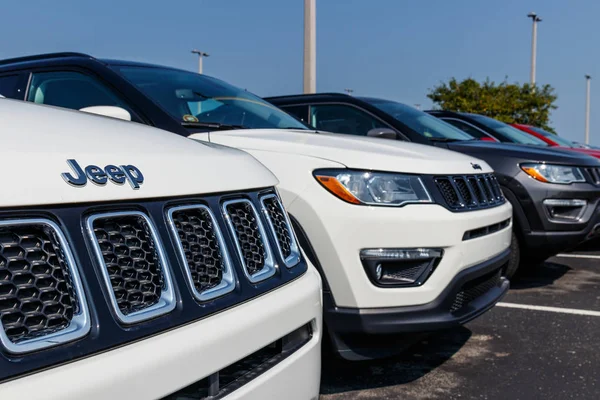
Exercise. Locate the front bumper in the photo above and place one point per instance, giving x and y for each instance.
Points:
(398, 327)
(338, 231)
(163, 364)
(428, 317)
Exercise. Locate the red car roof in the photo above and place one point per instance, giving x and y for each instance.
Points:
(527, 129)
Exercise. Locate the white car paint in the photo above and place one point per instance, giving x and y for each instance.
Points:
(338, 230)
(36, 142)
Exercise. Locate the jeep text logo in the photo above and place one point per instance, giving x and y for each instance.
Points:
(99, 176)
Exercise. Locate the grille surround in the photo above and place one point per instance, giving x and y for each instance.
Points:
(294, 257)
(269, 267)
(166, 302)
(79, 324)
(469, 192)
(227, 283)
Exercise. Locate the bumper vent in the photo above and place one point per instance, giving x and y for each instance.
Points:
(282, 229)
(250, 239)
(594, 174)
(133, 265)
(470, 192)
(474, 289)
(202, 250)
(41, 299)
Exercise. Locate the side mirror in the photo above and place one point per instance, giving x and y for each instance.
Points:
(384, 133)
(108, 111)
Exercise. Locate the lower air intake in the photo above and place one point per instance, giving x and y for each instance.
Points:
(133, 265)
(474, 289)
(41, 299)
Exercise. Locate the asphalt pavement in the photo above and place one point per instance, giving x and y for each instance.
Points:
(541, 342)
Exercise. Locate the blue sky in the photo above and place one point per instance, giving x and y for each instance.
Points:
(388, 48)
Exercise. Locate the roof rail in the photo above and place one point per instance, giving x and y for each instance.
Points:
(43, 57)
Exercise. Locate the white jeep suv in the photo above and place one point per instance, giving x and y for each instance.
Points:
(378, 218)
(138, 265)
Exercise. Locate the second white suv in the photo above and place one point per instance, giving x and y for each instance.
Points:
(380, 219)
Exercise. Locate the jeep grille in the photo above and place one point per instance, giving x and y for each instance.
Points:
(470, 192)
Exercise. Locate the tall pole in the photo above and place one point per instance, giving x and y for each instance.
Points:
(534, 17)
(310, 47)
(588, 79)
(200, 55)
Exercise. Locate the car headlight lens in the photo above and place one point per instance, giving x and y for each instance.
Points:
(549, 173)
(374, 188)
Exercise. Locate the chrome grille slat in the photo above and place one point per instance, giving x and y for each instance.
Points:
(42, 302)
(133, 265)
(282, 229)
(470, 192)
(250, 239)
(202, 250)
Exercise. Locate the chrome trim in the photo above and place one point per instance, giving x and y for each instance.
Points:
(166, 302)
(228, 280)
(270, 267)
(294, 257)
(80, 324)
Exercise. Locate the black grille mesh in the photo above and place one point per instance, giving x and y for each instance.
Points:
(248, 235)
(475, 289)
(594, 174)
(470, 192)
(282, 230)
(36, 292)
(201, 247)
(131, 259)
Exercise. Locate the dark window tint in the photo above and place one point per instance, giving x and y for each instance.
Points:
(555, 138)
(505, 132)
(72, 90)
(8, 86)
(300, 112)
(463, 126)
(343, 119)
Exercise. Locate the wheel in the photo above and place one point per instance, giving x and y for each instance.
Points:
(515, 257)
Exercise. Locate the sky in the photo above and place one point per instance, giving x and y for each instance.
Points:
(395, 49)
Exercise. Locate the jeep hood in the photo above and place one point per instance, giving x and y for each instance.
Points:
(351, 151)
(482, 149)
(38, 140)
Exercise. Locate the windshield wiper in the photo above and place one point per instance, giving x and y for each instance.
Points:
(212, 125)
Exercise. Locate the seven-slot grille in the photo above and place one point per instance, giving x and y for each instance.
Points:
(203, 251)
(594, 174)
(42, 300)
(133, 265)
(41, 296)
(470, 191)
(282, 228)
(251, 239)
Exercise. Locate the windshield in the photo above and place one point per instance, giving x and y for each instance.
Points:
(506, 133)
(192, 98)
(420, 122)
(555, 138)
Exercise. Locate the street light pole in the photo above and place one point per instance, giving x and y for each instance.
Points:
(534, 17)
(200, 55)
(310, 47)
(588, 79)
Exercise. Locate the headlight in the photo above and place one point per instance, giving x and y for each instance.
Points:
(562, 174)
(374, 188)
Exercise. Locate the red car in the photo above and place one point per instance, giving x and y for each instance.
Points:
(555, 140)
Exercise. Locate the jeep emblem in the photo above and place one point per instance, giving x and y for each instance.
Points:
(476, 166)
(99, 176)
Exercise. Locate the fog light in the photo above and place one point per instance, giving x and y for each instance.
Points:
(400, 267)
(565, 209)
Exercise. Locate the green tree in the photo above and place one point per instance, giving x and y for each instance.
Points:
(507, 102)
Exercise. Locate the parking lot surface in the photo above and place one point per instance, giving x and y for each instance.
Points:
(541, 342)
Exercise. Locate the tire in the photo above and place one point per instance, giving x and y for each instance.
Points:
(515, 257)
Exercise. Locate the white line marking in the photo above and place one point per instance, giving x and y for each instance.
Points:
(590, 256)
(573, 311)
